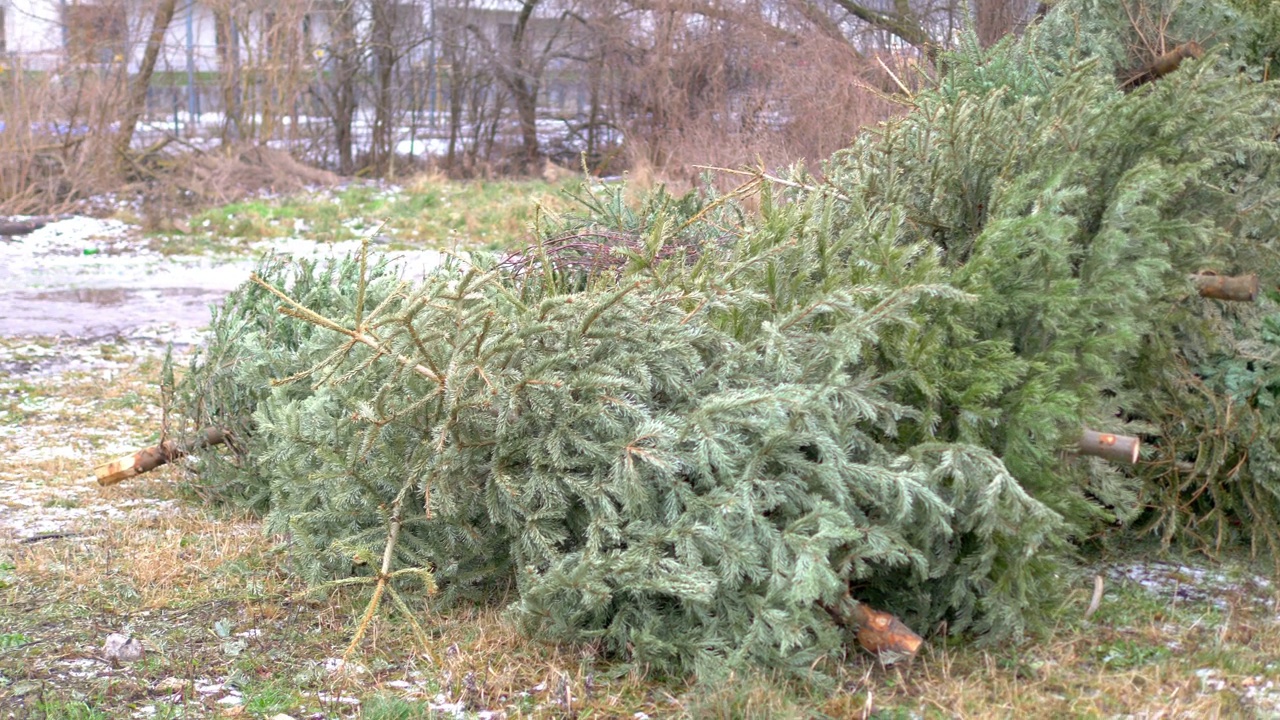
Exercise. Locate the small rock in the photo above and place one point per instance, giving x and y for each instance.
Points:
(122, 648)
(171, 684)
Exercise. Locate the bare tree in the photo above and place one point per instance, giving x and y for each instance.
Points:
(522, 74)
(338, 96)
(994, 19)
(139, 83)
(678, 81)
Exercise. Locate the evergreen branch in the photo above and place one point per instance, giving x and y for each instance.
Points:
(760, 174)
(307, 372)
(369, 610)
(359, 367)
(423, 639)
(343, 582)
(302, 312)
(386, 303)
(364, 272)
(743, 190)
(599, 309)
(384, 574)
(417, 341)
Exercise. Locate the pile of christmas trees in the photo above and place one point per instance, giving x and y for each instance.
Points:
(694, 431)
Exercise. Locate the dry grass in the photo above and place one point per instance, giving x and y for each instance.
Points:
(426, 212)
(210, 596)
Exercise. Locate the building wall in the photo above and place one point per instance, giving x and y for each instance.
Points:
(33, 33)
(37, 33)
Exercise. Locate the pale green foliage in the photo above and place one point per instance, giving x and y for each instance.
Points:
(249, 346)
(644, 479)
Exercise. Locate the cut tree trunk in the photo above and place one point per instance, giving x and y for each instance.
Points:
(878, 632)
(1240, 288)
(149, 459)
(1116, 448)
(1162, 65)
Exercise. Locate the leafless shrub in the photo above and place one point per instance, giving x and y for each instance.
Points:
(654, 86)
(57, 140)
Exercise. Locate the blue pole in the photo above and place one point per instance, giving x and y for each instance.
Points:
(193, 106)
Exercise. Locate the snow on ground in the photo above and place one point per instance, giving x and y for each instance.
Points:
(1182, 583)
(87, 277)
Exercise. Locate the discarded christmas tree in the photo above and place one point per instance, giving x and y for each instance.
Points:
(689, 432)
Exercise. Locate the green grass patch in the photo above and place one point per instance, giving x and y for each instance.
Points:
(73, 710)
(13, 640)
(424, 213)
(389, 707)
(270, 698)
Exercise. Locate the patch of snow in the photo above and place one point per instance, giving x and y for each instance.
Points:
(326, 698)
(457, 709)
(338, 665)
(85, 667)
(1186, 583)
(423, 147)
(75, 234)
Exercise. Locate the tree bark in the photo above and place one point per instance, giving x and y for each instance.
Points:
(346, 67)
(1162, 65)
(902, 23)
(878, 632)
(9, 228)
(385, 58)
(137, 99)
(993, 19)
(149, 459)
(1240, 288)
(229, 64)
(523, 81)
